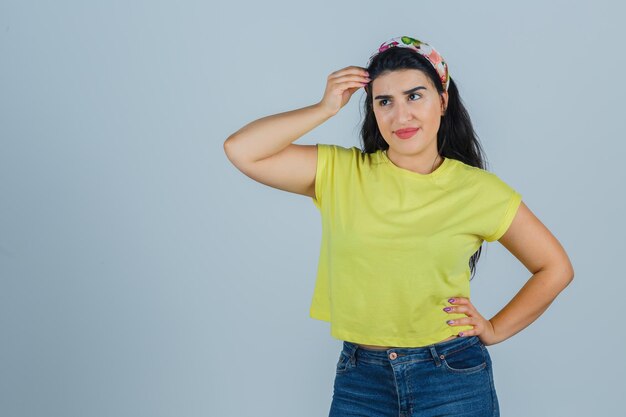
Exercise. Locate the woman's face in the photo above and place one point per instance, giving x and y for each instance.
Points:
(407, 99)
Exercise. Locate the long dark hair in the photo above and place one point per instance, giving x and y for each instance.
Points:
(456, 138)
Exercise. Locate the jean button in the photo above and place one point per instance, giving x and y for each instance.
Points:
(393, 355)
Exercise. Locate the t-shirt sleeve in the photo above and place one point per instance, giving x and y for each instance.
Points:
(501, 202)
(321, 172)
(332, 160)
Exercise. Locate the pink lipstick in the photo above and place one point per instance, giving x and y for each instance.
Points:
(406, 133)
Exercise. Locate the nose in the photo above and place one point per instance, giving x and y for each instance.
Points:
(403, 112)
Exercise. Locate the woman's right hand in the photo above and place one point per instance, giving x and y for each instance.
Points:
(340, 86)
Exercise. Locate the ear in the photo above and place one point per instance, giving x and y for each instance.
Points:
(444, 102)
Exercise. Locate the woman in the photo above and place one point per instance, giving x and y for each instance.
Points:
(403, 222)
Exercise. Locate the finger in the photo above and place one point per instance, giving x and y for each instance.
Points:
(356, 69)
(461, 302)
(347, 78)
(350, 71)
(349, 84)
(467, 333)
(351, 68)
(458, 300)
(457, 309)
(464, 321)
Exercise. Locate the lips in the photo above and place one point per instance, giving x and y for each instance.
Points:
(406, 133)
(408, 130)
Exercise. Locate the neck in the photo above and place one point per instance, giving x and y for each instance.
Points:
(416, 164)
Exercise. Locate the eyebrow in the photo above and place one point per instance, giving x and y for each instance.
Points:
(412, 90)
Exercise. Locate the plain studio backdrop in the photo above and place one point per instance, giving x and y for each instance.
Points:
(142, 274)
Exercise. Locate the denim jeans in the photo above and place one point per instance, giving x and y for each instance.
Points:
(451, 378)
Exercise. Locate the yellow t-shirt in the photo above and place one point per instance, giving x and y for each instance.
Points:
(396, 244)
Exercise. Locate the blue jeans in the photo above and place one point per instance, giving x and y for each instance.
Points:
(451, 378)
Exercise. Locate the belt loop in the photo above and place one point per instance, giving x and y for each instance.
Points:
(435, 355)
(353, 354)
(350, 348)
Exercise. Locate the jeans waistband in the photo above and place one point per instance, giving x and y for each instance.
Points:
(409, 354)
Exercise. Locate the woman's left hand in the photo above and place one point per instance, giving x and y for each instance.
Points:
(482, 327)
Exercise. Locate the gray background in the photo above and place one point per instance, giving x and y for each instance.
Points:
(141, 274)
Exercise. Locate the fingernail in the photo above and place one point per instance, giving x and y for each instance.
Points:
(451, 300)
(450, 321)
(447, 309)
(461, 334)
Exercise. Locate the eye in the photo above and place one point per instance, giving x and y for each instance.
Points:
(380, 102)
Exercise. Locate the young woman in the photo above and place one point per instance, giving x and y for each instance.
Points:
(403, 222)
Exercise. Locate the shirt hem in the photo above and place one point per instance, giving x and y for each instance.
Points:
(398, 341)
(319, 316)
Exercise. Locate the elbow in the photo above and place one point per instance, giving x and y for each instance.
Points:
(235, 149)
(565, 269)
(226, 150)
(227, 145)
(229, 149)
(561, 273)
(571, 274)
(567, 273)
(569, 270)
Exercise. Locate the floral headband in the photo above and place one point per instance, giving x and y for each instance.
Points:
(423, 49)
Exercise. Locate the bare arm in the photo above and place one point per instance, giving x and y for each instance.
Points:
(270, 135)
(542, 254)
(263, 149)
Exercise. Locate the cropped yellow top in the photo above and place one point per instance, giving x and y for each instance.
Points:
(396, 244)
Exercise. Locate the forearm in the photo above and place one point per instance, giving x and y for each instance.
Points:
(271, 134)
(529, 303)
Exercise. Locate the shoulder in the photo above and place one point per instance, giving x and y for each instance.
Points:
(478, 176)
(339, 149)
(332, 152)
